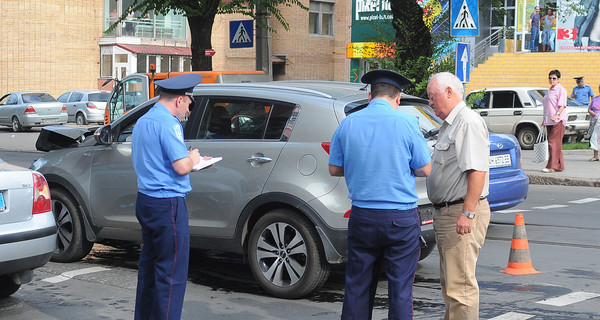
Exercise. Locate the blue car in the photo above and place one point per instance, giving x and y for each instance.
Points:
(508, 182)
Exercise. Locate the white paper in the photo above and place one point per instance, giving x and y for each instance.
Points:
(206, 163)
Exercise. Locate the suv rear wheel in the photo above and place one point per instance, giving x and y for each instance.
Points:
(70, 241)
(285, 255)
(527, 136)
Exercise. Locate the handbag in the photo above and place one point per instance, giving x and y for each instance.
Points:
(540, 148)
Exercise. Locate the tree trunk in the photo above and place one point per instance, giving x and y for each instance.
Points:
(201, 35)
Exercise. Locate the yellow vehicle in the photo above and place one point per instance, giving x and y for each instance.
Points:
(134, 89)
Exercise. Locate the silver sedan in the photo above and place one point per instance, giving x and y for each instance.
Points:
(23, 110)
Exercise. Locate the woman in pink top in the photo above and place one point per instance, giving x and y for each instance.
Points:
(555, 119)
(594, 111)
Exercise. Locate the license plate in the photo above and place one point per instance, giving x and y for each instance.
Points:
(500, 160)
(53, 120)
(2, 205)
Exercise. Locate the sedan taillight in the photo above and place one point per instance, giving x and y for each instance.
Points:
(41, 194)
(64, 109)
(29, 110)
(90, 105)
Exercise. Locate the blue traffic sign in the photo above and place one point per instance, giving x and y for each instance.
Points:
(464, 19)
(241, 34)
(463, 62)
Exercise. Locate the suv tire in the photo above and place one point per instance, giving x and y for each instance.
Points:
(285, 255)
(527, 136)
(70, 241)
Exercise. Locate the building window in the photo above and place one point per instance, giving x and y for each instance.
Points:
(175, 63)
(106, 66)
(187, 64)
(320, 19)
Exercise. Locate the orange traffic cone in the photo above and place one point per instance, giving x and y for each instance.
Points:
(519, 260)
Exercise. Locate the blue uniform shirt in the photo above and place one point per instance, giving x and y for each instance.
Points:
(157, 141)
(583, 94)
(378, 147)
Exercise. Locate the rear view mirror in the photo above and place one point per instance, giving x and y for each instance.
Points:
(103, 136)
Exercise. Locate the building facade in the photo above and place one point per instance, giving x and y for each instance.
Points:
(56, 45)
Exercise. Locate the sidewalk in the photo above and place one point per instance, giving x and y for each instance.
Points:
(578, 171)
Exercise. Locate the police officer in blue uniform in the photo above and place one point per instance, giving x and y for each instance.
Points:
(380, 150)
(582, 92)
(162, 163)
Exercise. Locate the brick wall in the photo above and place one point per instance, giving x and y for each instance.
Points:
(49, 45)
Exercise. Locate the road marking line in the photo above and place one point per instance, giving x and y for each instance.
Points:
(570, 298)
(513, 316)
(553, 206)
(512, 211)
(586, 200)
(70, 274)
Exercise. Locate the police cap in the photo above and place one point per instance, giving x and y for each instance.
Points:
(180, 85)
(578, 79)
(385, 76)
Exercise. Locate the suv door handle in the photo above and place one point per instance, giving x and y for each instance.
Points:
(518, 113)
(260, 159)
(483, 113)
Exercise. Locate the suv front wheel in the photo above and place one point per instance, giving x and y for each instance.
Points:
(285, 255)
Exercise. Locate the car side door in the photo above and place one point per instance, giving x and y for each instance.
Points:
(506, 111)
(249, 134)
(73, 104)
(4, 114)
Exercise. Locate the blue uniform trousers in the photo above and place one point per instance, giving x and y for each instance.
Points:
(164, 260)
(377, 236)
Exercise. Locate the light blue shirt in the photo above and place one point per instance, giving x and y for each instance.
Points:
(157, 142)
(583, 94)
(378, 147)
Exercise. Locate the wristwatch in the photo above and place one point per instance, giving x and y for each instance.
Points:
(469, 215)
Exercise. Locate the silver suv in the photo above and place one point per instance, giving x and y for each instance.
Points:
(519, 111)
(271, 198)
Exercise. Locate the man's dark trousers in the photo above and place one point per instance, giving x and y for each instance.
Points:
(164, 260)
(378, 236)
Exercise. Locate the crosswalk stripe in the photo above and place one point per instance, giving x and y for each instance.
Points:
(513, 316)
(552, 206)
(585, 200)
(512, 211)
(70, 274)
(570, 298)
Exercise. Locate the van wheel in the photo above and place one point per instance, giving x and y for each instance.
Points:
(71, 242)
(16, 124)
(80, 119)
(527, 136)
(7, 286)
(286, 256)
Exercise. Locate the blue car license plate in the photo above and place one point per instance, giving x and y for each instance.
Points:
(2, 205)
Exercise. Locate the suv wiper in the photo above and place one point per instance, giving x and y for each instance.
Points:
(431, 133)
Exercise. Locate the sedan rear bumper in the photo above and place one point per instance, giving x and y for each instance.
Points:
(510, 188)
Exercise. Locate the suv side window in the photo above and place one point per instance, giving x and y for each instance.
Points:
(230, 118)
(506, 100)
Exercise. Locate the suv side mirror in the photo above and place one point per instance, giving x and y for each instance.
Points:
(103, 136)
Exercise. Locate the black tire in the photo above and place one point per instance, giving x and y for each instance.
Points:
(71, 242)
(527, 136)
(80, 119)
(292, 264)
(16, 124)
(7, 286)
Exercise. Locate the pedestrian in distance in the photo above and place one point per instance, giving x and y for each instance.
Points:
(162, 163)
(534, 28)
(582, 92)
(555, 119)
(548, 32)
(380, 150)
(594, 111)
(458, 187)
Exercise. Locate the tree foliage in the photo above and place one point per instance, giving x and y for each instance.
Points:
(201, 16)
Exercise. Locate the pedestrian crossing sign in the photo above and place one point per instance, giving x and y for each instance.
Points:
(464, 21)
(241, 34)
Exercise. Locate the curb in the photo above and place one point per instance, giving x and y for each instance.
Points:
(562, 181)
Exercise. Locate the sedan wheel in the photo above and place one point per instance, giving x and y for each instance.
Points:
(7, 286)
(80, 119)
(71, 242)
(527, 137)
(286, 255)
(16, 125)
